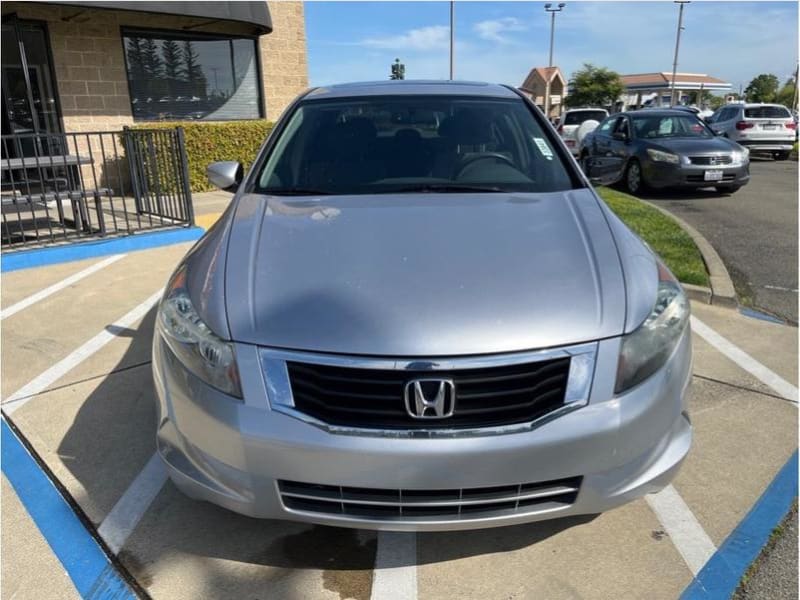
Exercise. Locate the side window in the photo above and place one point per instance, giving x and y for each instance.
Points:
(728, 114)
(607, 126)
(623, 127)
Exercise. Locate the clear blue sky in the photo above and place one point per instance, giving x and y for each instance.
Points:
(501, 41)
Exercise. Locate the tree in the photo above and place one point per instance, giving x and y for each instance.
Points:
(713, 102)
(172, 58)
(136, 69)
(151, 59)
(786, 94)
(594, 86)
(764, 88)
(192, 72)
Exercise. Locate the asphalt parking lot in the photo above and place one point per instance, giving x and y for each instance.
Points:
(76, 384)
(754, 231)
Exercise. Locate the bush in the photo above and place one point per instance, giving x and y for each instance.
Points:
(207, 142)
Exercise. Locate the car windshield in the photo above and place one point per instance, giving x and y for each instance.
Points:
(576, 117)
(400, 144)
(669, 126)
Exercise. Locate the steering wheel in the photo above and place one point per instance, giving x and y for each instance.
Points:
(469, 160)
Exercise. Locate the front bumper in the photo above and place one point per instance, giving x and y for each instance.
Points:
(667, 175)
(232, 453)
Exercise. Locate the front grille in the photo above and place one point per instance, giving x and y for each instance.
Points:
(374, 398)
(711, 160)
(701, 178)
(421, 505)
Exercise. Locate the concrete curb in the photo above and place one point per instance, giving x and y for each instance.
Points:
(722, 292)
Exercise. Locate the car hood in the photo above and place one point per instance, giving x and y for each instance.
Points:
(423, 274)
(692, 146)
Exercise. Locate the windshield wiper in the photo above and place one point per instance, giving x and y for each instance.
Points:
(445, 188)
(295, 191)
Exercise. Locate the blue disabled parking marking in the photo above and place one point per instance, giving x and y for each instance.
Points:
(719, 578)
(93, 574)
(40, 257)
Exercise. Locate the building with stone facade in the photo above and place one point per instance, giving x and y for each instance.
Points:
(99, 66)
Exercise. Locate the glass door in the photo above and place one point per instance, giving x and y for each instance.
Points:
(28, 90)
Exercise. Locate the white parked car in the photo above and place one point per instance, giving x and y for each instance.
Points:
(572, 119)
(765, 128)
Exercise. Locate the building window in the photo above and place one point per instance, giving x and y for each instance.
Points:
(198, 77)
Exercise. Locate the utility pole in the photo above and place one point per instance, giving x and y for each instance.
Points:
(794, 96)
(549, 8)
(677, 47)
(452, 34)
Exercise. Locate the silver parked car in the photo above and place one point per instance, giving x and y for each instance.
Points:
(413, 323)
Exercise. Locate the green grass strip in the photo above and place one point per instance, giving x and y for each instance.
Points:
(664, 235)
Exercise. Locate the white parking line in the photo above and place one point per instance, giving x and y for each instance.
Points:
(49, 291)
(745, 361)
(685, 531)
(395, 573)
(21, 397)
(129, 509)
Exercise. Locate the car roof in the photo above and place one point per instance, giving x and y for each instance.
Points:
(569, 110)
(411, 87)
(660, 112)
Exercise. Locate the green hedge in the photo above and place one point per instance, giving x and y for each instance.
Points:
(210, 142)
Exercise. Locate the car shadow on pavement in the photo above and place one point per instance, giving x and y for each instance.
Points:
(678, 194)
(111, 437)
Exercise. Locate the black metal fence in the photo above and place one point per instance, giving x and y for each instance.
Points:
(73, 186)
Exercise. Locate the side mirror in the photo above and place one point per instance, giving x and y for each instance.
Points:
(226, 175)
(619, 135)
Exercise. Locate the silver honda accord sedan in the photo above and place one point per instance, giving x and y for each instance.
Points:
(417, 314)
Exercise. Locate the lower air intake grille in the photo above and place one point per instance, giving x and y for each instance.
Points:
(377, 504)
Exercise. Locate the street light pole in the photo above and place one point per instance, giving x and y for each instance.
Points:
(549, 8)
(452, 34)
(677, 46)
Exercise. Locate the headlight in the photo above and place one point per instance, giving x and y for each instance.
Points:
(659, 156)
(645, 350)
(740, 157)
(193, 343)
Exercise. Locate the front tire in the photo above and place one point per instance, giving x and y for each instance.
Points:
(583, 163)
(634, 180)
(728, 189)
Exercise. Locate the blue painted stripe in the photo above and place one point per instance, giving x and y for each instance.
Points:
(26, 259)
(90, 569)
(718, 579)
(755, 314)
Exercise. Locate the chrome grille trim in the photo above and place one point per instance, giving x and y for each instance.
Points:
(411, 505)
(279, 391)
(712, 160)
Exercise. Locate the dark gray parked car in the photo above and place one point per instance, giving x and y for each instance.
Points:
(417, 314)
(661, 149)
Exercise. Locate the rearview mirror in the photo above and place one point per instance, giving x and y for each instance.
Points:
(226, 175)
